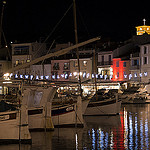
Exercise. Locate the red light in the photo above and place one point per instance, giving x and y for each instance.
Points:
(118, 69)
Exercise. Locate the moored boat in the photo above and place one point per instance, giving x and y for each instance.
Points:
(39, 101)
(14, 125)
(64, 115)
(103, 105)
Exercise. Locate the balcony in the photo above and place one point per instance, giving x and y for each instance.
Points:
(135, 55)
(104, 63)
(136, 67)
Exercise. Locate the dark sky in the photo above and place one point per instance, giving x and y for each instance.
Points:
(28, 20)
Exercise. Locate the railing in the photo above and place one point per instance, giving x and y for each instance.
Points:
(104, 63)
(135, 67)
(135, 55)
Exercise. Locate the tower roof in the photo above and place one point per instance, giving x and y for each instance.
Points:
(143, 28)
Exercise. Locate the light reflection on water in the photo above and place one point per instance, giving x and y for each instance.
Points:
(129, 130)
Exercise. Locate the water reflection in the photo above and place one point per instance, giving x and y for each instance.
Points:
(136, 126)
(129, 130)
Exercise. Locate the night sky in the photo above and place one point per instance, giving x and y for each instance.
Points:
(28, 20)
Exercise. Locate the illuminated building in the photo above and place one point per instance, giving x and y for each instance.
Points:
(140, 66)
(145, 63)
(143, 29)
(25, 53)
(67, 70)
(85, 69)
(60, 70)
(104, 65)
(120, 69)
(135, 66)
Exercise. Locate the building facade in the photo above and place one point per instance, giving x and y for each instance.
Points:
(85, 69)
(104, 65)
(145, 63)
(121, 69)
(135, 67)
(26, 52)
(60, 70)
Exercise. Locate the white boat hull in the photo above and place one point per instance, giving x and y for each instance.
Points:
(38, 121)
(10, 129)
(65, 116)
(69, 115)
(108, 107)
(39, 107)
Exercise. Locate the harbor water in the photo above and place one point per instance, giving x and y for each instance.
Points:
(129, 130)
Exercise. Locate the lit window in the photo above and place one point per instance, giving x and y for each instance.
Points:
(85, 63)
(75, 64)
(22, 61)
(66, 66)
(28, 60)
(17, 62)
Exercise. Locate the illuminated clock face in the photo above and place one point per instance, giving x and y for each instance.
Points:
(147, 28)
(140, 28)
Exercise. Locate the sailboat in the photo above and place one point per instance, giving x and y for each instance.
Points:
(38, 101)
(100, 105)
(69, 114)
(14, 124)
(13, 121)
(109, 106)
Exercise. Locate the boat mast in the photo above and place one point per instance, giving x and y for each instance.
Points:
(4, 2)
(95, 71)
(76, 42)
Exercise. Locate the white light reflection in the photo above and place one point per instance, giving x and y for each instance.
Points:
(125, 129)
(98, 137)
(130, 132)
(106, 140)
(141, 131)
(93, 138)
(146, 133)
(136, 132)
(76, 142)
(111, 140)
(101, 139)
